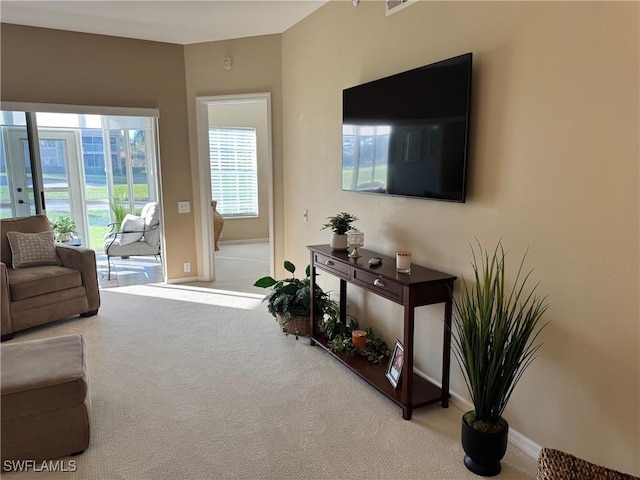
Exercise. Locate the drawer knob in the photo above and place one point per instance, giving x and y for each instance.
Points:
(378, 283)
(329, 263)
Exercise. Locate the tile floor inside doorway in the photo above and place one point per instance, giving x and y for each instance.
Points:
(238, 266)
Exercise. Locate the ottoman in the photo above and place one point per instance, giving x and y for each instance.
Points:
(45, 403)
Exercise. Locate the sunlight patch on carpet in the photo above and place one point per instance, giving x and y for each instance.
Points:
(207, 296)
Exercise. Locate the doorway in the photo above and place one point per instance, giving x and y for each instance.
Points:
(236, 170)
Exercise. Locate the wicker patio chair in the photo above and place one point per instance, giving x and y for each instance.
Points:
(557, 465)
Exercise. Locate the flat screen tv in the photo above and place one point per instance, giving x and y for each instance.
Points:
(408, 134)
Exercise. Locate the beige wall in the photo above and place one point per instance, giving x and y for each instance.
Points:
(253, 115)
(553, 168)
(257, 68)
(54, 66)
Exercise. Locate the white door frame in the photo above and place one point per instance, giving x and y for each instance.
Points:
(202, 122)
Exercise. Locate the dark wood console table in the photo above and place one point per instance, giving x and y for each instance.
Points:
(420, 287)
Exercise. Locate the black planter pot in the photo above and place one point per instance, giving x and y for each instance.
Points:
(483, 450)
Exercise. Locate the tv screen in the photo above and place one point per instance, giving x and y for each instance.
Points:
(407, 134)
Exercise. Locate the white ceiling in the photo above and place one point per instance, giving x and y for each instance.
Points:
(181, 21)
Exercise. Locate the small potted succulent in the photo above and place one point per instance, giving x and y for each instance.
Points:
(339, 224)
(290, 301)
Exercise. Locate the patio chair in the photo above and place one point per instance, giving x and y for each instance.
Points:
(138, 236)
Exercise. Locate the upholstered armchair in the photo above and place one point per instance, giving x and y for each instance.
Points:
(138, 236)
(42, 281)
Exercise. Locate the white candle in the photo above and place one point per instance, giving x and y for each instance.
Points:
(403, 262)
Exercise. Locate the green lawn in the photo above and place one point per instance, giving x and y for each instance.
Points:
(98, 219)
(366, 175)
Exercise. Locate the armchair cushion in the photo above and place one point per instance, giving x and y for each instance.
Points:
(32, 249)
(31, 282)
(132, 229)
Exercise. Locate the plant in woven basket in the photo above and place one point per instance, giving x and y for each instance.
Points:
(495, 339)
(290, 299)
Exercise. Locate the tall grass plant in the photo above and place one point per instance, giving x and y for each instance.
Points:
(495, 334)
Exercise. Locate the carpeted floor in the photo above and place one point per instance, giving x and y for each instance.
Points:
(190, 383)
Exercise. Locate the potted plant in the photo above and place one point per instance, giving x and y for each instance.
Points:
(339, 224)
(495, 340)
(64, 227)
(290, 300)
(340, 339)
(119, 209)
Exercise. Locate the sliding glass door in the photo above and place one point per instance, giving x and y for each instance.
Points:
(93, 168)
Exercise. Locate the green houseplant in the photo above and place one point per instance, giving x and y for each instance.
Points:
(119, 209)
(64, 227)
(340, 339)
(339, 224)
(290, 300)
(495, 339)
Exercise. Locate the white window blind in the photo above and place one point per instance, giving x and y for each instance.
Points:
(234, 170)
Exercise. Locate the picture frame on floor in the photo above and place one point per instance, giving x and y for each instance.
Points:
(396, 362)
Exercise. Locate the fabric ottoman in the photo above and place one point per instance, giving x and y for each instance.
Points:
(45, 404)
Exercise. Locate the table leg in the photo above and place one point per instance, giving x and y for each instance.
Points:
(407, 368)
(406, 413)
(446, 354)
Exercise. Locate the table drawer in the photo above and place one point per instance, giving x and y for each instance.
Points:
(338, 269)
(380, 285)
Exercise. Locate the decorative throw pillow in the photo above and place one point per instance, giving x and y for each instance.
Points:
(131, 230)
(32, 249)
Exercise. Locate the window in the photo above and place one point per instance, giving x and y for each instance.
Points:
(234, 170)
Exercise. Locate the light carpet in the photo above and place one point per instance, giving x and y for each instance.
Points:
(189, 383)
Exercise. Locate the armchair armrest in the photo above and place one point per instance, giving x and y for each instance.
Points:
(84, 260)
(5, 298)
(112, 228)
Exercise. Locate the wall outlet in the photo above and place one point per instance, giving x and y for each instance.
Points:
(187, 267)
(305, 215)
(184, 207)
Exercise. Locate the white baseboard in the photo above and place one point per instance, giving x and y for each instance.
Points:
(248, 240)
(183, 280)
(517, 439)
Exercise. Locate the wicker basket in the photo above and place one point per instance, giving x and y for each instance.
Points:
(558, 465)
(298, 326)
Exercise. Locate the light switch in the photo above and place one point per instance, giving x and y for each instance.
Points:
(184, 207)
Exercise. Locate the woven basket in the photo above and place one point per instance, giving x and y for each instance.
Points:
(557, 465)
(298, 326)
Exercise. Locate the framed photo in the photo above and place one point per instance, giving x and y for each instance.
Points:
(395, 364)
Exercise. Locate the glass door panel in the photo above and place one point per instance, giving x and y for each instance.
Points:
(61, 176)
(138, 148)
(16, 183)
(95, 181)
